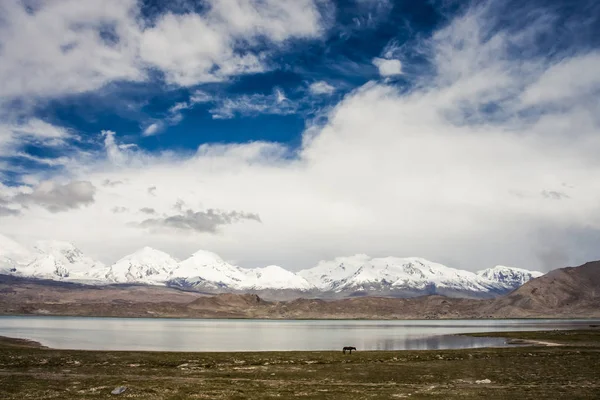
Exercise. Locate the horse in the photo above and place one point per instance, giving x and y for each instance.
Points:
(348, 348)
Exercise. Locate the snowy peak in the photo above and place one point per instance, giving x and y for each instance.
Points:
(327, 273)
(274, 277)
(205, 268)
(362, 272)
(410, 276)
(61, 260)
(146, 265)
(508, 277)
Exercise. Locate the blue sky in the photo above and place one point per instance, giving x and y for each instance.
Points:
(459, 131)
(340, 58)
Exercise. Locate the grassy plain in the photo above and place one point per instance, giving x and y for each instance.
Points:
(569, 371)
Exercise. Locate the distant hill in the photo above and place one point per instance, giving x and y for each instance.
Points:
(573, 291)
(563, 293)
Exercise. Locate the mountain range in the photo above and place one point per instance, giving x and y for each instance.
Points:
(204, 271)
(562, 293)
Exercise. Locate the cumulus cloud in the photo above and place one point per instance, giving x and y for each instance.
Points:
(199, 221)
(148, 210)
(388, 67)
(321, 87)
(56, 197)
(76, 46)
(118, 154)
(118, 210)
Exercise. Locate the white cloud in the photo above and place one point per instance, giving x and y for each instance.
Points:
(57, 49)
(14, 136)
(199, 97)
(321, 87)
(73, 46)
(51, 162)
(247, 105)
(456, 169)
(56, 197)
(172, 44)
(175, 113)
(558, 83)
(388, 67)
(152, 129)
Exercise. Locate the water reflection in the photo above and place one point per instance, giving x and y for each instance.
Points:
(263, 335)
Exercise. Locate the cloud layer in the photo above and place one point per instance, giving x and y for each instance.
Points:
(489, 156)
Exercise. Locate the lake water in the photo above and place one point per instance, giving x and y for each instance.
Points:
(264, 335)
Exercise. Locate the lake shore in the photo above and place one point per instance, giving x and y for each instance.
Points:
(567, 371)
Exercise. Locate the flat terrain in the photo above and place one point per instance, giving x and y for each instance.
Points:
(569, 371)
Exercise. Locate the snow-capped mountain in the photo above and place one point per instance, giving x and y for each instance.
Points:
(411, 276)
(147, 265)
(206, 271)
(508, 277)
(61, 261)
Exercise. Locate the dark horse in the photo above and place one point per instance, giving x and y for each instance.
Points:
(348, 348)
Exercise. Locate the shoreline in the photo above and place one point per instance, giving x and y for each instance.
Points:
(234, 318)
(513, 339)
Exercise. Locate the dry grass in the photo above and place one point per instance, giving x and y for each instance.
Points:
(567, 372)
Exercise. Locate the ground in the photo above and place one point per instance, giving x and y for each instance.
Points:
(569, 371)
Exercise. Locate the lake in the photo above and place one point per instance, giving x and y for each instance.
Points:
(264, 335)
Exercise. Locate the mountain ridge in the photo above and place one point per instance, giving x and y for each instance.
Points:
(565, 293)
(350, 276)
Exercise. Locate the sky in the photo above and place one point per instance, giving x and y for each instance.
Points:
(292, 131)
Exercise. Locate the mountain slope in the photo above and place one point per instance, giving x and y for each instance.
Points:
(508, 277)
(147, 265)
(572, 290)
